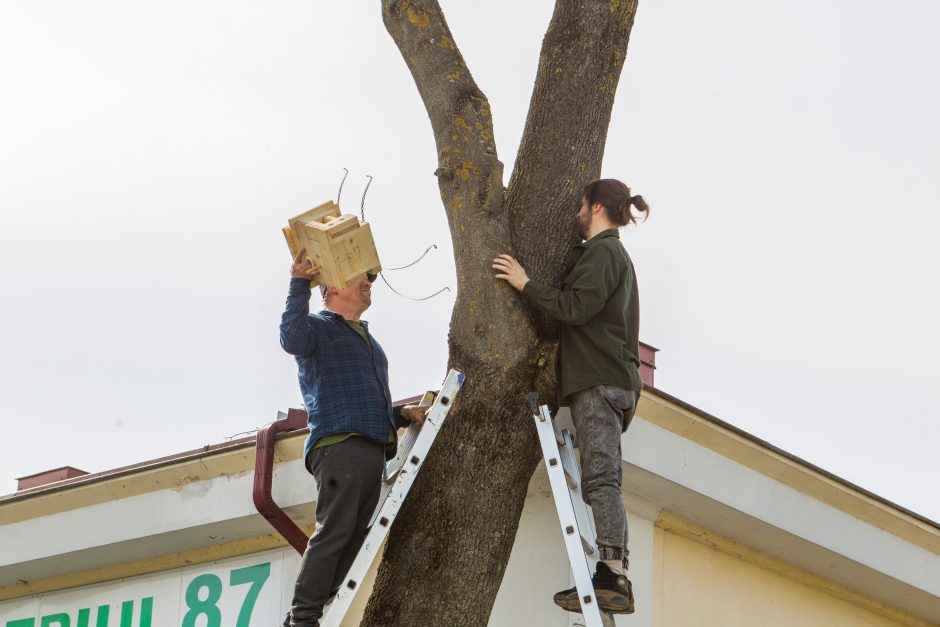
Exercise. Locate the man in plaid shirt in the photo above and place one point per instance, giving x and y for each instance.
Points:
(343, 375)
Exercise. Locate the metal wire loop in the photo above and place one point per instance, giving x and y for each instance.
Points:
(340, 192)
(362, 204)
(423, 255)
(443, 289)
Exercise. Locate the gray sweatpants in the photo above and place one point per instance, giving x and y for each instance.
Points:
(600, 414)
(348, 476)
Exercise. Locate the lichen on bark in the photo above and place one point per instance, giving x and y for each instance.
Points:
(449, 546)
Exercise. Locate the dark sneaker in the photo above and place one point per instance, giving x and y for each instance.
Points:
(288, 624)
(614, 593)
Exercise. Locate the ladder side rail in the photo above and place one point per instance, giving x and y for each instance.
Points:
(388, 484)
(407, 441)
(586, 527)
(566, 518)
(372, 544)
(393, 467)
(337, 609)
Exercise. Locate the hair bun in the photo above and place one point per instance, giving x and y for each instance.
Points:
(638, 202)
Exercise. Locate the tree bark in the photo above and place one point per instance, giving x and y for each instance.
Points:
(448, 548)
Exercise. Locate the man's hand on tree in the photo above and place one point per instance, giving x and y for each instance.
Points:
(415, 413)
(510, 271)
(302, 268)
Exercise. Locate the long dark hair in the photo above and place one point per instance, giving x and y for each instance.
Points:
(615, 197)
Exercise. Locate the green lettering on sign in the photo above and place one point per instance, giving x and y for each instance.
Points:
(127, 613)
(146, 611)
(84, 616)
(202, 598)
(205, 606)
(255, 575)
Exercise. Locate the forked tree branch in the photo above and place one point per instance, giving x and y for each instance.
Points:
(450, 544)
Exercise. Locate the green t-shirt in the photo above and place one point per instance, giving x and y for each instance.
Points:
(336, 438)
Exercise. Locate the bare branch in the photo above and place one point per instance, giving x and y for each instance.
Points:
(470, 175)
(459, 111)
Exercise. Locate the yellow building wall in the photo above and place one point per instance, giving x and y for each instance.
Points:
(702, 587)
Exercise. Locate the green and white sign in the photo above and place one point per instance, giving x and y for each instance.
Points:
(246, 592)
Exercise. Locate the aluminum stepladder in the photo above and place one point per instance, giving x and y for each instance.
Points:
(401, 473)
(576, 526)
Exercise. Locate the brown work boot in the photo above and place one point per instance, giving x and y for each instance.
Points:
(614, 593)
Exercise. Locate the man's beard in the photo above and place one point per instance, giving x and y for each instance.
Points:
(584, 225)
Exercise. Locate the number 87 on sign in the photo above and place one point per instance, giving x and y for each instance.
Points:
(211, 600)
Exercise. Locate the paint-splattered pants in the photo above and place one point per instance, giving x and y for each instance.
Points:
(349, 476)
(600, 415)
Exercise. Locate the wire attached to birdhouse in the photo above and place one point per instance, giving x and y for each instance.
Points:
(384, 280)
(423, 255)
(362, 212)
(340, 192)
(362, 204)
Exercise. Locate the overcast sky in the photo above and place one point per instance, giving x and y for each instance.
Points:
(151, 152)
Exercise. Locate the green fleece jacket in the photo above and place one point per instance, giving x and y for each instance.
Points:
(599, 307)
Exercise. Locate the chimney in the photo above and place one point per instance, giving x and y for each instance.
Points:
(48, 476)
(647, 363)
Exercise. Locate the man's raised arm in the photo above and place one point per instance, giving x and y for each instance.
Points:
(298, 336)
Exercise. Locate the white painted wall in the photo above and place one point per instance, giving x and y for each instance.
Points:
(538, 567)
(662, 471)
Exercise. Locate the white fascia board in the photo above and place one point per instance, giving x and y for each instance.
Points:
(755, 510)
(190, 516)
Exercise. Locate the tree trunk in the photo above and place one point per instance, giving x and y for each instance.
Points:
(449, 546)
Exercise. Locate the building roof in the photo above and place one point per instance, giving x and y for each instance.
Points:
(249, 442)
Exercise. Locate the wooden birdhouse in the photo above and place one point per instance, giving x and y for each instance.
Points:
(341, 246)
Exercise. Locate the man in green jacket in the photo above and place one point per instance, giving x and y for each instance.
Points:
(597, 368)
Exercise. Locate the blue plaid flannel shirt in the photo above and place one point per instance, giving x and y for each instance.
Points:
(344, 383)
